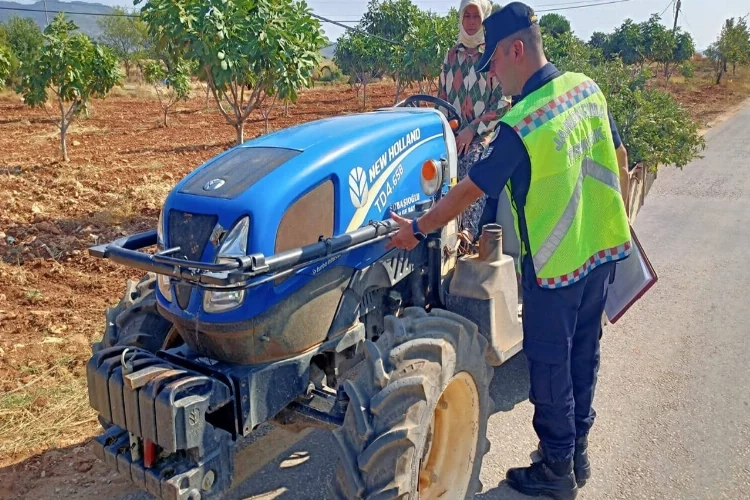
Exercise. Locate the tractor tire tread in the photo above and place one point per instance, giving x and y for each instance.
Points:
(393, 397)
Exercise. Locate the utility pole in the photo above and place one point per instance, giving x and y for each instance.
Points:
(676, 13)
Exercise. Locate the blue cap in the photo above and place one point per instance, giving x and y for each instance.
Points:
(513, 17)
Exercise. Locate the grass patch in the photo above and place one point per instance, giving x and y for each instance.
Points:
(124, 208)
(45, 413)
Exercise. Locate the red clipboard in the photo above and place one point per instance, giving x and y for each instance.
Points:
(634, 276)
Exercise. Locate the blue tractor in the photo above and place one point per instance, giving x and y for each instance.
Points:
(269, 296)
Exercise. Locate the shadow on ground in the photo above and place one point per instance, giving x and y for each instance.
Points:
(300, 471)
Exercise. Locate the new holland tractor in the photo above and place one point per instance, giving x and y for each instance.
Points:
(269, 296)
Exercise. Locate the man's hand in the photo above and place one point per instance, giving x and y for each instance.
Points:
(404, 238)
(448, 208)
(463, 140)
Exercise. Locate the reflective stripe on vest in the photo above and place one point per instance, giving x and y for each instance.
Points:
(589, 169)
(574, 211)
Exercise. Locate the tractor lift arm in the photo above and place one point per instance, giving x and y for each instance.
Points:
(127, 251)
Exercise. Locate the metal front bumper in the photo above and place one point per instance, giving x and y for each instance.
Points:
(161, 437)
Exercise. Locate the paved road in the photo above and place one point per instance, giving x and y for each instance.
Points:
(674, 393)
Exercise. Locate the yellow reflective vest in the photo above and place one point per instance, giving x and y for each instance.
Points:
(575, 215)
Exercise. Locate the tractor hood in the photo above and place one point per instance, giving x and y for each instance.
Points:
(346, 170)
(290, 188)
(319, 143)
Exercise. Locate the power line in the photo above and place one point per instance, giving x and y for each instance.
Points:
(583, 6)
(665, 8)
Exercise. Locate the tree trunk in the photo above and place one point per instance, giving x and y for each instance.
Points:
(63, 144)
(166, 110)
(208, 93)
(240, 128)
(127, 67)
(734, 68)
(398, 90)
(721, 73)
(286, 108)
(364, 95)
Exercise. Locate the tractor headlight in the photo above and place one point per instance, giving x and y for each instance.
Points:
(234, 245)
(431, 177)
(162, 280)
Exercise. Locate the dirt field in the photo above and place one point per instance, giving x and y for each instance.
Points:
(53, 295)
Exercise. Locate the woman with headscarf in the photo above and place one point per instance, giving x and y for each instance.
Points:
(481, 103)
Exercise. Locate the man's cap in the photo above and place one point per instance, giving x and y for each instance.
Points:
(513, 17)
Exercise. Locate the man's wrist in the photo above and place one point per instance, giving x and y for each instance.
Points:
(418, 234)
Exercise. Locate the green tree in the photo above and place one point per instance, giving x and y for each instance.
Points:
(250, 49)
(598, 40)
(392, 20)
(627, 42)
(73, 68)
(554, 24)
(684, 49)
(171, 81)
(659, 43)
(732, 46)
(125, 34)
(5, 66)
(426, 45)
(360, 57)
(23, 39)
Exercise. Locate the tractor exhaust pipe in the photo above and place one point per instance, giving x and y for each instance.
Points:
(491, 242)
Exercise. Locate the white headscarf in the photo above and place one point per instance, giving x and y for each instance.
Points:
(485, 9)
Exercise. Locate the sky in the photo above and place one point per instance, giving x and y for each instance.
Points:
(702, 18)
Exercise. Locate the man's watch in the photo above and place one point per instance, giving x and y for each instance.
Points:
(417, 233)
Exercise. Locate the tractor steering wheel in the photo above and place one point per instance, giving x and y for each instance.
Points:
(453, 114)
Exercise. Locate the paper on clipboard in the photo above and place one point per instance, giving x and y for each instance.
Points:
(634, 276)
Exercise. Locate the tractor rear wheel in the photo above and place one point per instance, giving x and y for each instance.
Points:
(135, 320)
(416, 423)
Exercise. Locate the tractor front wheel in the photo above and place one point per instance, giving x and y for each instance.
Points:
(135, 320)
(416, 423)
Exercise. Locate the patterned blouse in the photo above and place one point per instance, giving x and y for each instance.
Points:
(480, 105)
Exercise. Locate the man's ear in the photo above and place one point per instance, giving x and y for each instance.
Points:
(518, 49)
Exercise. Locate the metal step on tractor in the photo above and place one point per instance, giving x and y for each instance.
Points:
(269, 296)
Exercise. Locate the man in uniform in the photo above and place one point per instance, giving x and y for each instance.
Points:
(556, 155)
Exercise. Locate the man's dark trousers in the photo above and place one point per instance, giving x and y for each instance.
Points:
(562, 328)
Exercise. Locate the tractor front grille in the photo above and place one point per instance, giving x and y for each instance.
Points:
(190, 232)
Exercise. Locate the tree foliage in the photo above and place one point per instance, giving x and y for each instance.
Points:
(73, 69)
(22, 39)
(420, 41)
(361, 57)
(171, 81)
(425, 47)
(5, 65)
(554, 24)
(392, 20)
(732, 46)
(250, 50)
(125, 34)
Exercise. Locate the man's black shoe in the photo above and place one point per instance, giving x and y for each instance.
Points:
(581, 464)
(540, 479)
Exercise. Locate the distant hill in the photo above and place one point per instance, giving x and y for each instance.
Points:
(87, 24)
